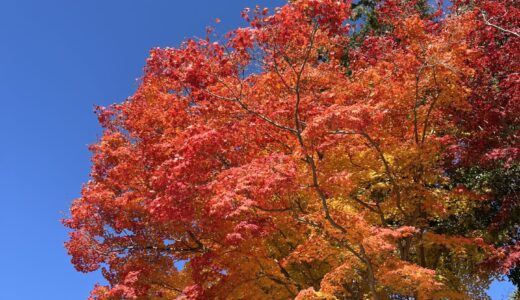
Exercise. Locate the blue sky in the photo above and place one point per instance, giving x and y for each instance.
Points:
(58, 58)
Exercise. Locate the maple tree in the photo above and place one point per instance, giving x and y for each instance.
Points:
(312, 156)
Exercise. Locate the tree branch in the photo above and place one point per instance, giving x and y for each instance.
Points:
(487, 21)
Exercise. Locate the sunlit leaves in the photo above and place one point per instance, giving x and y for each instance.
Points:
(298, 158)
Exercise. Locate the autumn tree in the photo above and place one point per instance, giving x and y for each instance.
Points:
(313, 156)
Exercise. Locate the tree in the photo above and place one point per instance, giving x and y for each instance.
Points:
(288, 161)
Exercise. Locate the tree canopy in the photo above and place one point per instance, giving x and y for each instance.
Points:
(328, 150)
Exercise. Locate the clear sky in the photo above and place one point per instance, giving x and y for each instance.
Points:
(58, 58)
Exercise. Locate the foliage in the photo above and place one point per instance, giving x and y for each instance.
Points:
(305, 158)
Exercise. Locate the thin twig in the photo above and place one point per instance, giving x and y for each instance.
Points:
(487, 21)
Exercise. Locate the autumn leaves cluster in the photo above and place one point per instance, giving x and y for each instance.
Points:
(328, 150)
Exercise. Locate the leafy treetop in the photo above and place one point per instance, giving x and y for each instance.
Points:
(305, 157)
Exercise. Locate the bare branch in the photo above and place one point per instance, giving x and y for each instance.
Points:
(488, 22)
(249, 110)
